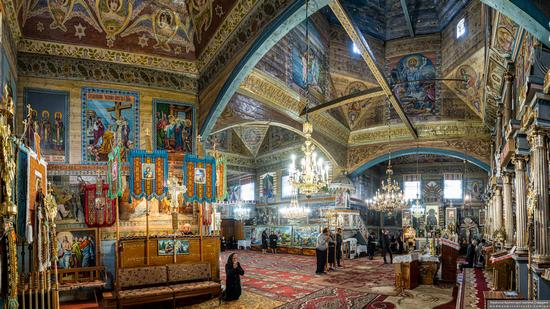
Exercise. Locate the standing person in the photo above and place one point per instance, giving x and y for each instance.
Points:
(233, 271)
(321, 251)
(264, 241)
(471, 254)
(400, 244)
(386, 246)
(371, 245)
(331, 252)
(339, 247)
(273, 242)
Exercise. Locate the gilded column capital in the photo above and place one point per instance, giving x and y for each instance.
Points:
(536, 137)
(519, 161)
(506, 178)
(508, 76)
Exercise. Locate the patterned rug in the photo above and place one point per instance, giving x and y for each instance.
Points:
(476, 281)
(246, 301)
(328, 298)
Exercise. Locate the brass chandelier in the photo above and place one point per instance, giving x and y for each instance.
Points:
(313, 173)
(389, 197)
(294, 210)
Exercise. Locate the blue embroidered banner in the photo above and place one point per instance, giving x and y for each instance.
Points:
(148, 174)
(199, 176)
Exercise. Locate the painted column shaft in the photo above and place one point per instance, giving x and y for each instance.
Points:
(498, 209)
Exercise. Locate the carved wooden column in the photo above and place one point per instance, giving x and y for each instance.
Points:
(507, 99)
(521, 204)
(539, 177)
(498, 209)
(489, 218)
(498, 129)
(508, 215)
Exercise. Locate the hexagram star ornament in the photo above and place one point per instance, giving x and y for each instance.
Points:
(79, 31)
(39, 26)
(143, 41)
(219, 10)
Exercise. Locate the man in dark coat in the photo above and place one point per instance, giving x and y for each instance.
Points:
(339, 247)
(273, 238)
(386, 246)
(371, 245)
(264, 241)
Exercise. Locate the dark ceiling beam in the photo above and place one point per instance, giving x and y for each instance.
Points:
(345, 100)
(359, 40)
(526, 14)
(407, 17)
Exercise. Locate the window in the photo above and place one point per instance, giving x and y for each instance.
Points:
(453, 189)
(460, 28)
(286, 187)
(411, 189)
(247, 192)
(355, 49)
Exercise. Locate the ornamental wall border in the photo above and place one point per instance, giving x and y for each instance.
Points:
(103, 54)
(426, 131)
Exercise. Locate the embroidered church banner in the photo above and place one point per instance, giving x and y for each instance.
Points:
(98, 212)
(199, 176)
(114, 177)
(108, 116)
(221, 178)
(148, 174)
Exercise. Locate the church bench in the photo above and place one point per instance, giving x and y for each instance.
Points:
(164, 283)
(141, 285)
(192, 279)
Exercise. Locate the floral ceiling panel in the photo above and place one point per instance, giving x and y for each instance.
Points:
(172, 28)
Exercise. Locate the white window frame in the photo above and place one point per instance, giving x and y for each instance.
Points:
(248, 191)
(411, 189)
(461, 28)
(286, 187)
(450, 188)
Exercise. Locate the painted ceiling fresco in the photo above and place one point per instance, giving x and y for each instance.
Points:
(384, 19)
(173, 28)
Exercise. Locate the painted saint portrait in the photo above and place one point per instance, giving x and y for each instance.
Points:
(200, 175)
(267, 185)
(49, 118)
(168, 246)
(148, 170)
(412, 80)
(174, 126)
(109, 117)
(432, 216)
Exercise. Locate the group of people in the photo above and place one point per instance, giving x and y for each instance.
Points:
(389, 244)
(475, 255)
(328, 251)
(269, 241)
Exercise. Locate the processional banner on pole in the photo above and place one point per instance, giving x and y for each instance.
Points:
(99, 210)
(148, 174)
(114, 177)
(199, 176)
(221, 178)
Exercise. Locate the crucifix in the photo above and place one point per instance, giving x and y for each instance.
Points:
(118, 108)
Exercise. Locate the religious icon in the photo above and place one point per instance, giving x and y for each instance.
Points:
(413, 77)
(48, 120)
(166, 246)
(173, 123)
(110, 118)
(77, 248)
(148, 170)
(432, 215)
(200, 175)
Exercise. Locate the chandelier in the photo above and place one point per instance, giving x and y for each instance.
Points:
(294, 210)
(389, 197)
(417, 210)
(241, 213)
(312, 176)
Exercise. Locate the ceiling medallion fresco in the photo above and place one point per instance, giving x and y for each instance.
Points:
(171, 28)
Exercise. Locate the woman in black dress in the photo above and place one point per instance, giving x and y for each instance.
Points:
(233, 272)
(273, 242)
(264, 241)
